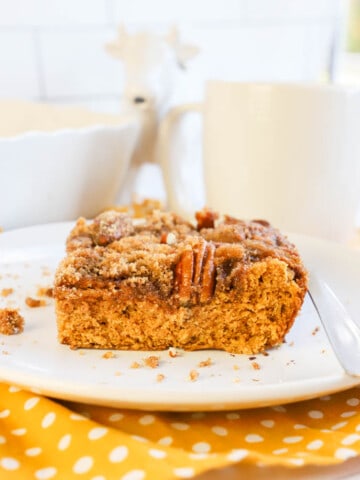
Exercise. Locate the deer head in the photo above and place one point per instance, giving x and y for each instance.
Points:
(151, 63)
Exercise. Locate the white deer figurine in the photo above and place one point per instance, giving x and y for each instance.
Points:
(152, 63)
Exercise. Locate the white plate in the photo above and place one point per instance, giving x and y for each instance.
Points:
(303, 367)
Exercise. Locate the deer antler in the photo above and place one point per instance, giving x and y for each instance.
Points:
(183, 52)
(116, 48)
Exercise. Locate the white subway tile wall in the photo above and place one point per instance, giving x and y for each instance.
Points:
(53, 50)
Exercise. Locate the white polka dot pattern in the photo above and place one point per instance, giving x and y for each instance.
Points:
(92, 441)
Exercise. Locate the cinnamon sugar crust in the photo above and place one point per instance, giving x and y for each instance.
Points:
(164, 282)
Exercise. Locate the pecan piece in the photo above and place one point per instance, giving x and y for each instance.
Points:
(195, 273)
(199, 254)
(110, 226)
(183, 276)
(206, 218)
(208, 274)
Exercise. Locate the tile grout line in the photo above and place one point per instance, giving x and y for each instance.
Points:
(39, 65)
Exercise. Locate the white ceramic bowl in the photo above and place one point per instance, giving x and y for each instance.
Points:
(51, 176)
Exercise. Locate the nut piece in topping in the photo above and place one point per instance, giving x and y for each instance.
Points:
(206, 218)
(11, 322)
(110, 226)
(169, 238)
(195, 273)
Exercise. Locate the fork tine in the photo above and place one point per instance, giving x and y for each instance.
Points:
(342, 332)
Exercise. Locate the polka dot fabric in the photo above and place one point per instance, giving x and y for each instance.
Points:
(45, 439)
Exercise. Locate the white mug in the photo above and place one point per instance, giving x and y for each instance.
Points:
(286, 153)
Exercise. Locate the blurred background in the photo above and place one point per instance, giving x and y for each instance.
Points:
(53, 51)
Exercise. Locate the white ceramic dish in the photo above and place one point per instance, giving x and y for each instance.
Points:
(58, 173)
(302, 368)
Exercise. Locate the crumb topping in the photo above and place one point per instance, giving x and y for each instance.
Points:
(167, 256)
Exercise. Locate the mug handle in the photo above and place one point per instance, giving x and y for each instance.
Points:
(171, 169)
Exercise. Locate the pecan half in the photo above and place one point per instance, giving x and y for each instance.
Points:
(184, 275)
(208, 274)
(199, 255)
(195, 273)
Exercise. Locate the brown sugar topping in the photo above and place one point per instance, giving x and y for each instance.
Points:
(166, 256)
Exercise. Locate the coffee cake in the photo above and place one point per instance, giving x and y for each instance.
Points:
(164, 282)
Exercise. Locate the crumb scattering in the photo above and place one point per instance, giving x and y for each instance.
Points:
(160, 377)
(152, 361)
(256, 365)
(108, 354)
(173, 353)
(5, 292)
(34, 302)
(315, 331)
(11, 322)
(193, 375)
(45, 292)
(205, 363)
(135, 365)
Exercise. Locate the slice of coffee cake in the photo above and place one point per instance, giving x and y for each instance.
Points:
(229, 284)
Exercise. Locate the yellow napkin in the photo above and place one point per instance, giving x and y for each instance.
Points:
(41, 438)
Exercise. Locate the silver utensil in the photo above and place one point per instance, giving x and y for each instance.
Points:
(341, 330)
